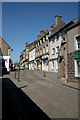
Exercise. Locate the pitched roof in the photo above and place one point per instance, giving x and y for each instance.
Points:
(5, 42)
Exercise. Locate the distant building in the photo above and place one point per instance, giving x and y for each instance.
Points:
(55, 38)
(42, 51)
(4, 53)
(26, 56)
(69, 54)
(32, 62)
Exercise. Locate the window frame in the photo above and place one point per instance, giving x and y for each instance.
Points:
(75, 41)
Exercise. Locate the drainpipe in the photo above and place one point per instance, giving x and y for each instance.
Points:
(66, 57)
(49, 55)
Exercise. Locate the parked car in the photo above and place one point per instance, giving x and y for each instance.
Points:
(21, 68)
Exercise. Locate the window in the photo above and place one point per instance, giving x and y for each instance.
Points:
(77, 42)
(40, 51)
(43, 49)
(52, 65)
(62, 33)
(53, 39)
(57, 49)
(40, 41)
(46, 48)
(77, 68)
(53, 51)
(46, 37)
(57, 37)
(78, 63)
(43, 39)
(45, 62)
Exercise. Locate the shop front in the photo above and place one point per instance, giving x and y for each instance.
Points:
(45, 62)
(77, 65)
(39, 64)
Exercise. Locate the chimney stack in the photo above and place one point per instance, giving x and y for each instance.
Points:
(38, 36)
(58, 19)
(42, 32)
(52, 26)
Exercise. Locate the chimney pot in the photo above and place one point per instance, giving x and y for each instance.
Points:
(52, 26)
(58, 19)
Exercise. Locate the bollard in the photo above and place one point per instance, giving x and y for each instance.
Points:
(44, 73)
(15, 74)
(18, 76)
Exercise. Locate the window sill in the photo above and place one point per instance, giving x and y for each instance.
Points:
(78, 76)
(77, 50)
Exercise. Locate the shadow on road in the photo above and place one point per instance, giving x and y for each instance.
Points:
(16, 105)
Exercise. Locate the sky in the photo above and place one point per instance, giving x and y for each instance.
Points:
(23, 21)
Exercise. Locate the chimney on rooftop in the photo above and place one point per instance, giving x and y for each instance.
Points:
(52, 26)
(38, 36)
(58, 19)
(42, 32)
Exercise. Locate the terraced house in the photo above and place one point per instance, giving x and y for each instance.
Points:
(32, 62)
(55, 38)
(24, 57)
(42, 51)
(69, 54)
(4, 54)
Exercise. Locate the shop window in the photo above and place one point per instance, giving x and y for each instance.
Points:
(45, 62)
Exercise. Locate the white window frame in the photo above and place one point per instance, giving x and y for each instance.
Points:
(57, 49)
(53, 53)
(75, 41)
(76, 69)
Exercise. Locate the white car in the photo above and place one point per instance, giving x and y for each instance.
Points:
(21, 68)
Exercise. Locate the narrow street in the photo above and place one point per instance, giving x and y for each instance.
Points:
(53, 97)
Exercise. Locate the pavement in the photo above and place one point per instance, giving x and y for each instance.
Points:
(49, 76)
(56, 98)
(16, 105)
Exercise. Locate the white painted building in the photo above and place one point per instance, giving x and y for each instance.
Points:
(55, 38)
(55, 43)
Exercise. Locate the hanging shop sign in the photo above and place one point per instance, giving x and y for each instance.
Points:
(77, 56)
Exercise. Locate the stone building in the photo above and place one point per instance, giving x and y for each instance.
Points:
(4, 53)
(71, 57)
(42, 51)
(24, 57)
(55, 38)
(32, 62)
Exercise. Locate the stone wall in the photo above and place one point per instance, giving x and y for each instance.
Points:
(71, 68)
